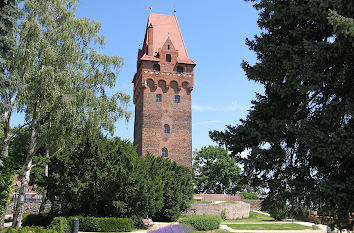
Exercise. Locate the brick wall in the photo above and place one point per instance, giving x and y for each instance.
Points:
(238, 210)
(217, 197)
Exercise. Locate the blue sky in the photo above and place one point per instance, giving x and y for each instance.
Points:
(214, 33)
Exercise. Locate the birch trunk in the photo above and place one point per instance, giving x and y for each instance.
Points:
(18, 214)
(6, 142)
(46, 173)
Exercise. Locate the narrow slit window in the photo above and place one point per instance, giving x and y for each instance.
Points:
(166, 129)
(168, 57)
(158, 97)
(177, 98)
(164, 152)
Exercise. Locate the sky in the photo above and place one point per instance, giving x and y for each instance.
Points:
(214, 34)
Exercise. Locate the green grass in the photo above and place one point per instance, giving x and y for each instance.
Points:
(273, 226)
(254, 217)
(228, 202)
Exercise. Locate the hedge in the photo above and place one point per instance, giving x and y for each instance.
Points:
(202, 222)
(35, 229)
(103, 224)
(41, 220)
(61, 225)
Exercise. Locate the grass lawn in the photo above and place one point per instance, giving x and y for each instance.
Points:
(275, 226)
(254, 217)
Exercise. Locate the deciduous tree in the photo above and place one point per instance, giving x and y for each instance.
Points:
(64, 78)
(215, 171)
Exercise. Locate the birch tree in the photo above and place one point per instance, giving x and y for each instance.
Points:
(65, 78)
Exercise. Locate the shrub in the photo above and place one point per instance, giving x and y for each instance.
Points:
(34, 229)
(60, 224)
(276, 207)
(317, 221)
(223, 214)
(104, 224)
(250, 196)
(175, 228)
(41, 220)
(202, 222)
(138, 222)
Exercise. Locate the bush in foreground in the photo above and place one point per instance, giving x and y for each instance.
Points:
(202, 222)
(60, 224)
(41, 220)
(104, 224)
(34, 229)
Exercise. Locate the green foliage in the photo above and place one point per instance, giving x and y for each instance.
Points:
(40, 219)
(215, 171)
(60, 224)
(249, 196)
(202, 222)
(317, 221)
(223, 214)
(105, 177)
(93, 224)
(298, 133)
(6, 177)
(28, 230)
(276, 207)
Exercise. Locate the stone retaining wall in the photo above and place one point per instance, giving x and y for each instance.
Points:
(217, 197)
(255, 204)
(29, 207)
(237, 210)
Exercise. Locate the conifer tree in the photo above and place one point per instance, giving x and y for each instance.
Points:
(300, 131)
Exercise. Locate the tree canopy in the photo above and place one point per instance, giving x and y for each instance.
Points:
(299, 132)
(215, 171)
(58, 78)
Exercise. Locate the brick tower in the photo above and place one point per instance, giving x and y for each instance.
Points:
(162, 92)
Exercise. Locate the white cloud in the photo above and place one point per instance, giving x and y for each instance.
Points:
(234, 106)
(204, 108)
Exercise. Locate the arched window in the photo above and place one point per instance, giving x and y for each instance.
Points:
(168, 47)
(158, 97)
(168, 57)
(177, 98)
(180, 69)
(156, 67)
(164, 152)
(166, 129)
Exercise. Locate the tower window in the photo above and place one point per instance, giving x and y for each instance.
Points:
(168, 57)
(164, 152)
(166, 129)
(177, 99)
(158, 97)
(180, 69)
(168, 47)
(156, 67)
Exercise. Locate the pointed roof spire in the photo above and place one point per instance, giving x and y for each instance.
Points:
(174, 12)
(150, 9)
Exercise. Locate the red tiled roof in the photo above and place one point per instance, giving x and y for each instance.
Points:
(165, 26)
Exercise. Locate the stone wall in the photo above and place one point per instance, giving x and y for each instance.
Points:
(217, 197)
(254, 204)
(29, 207)
(238, 210)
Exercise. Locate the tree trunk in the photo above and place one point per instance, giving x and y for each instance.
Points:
(46, 173)
(6, 128)
(18, 214)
